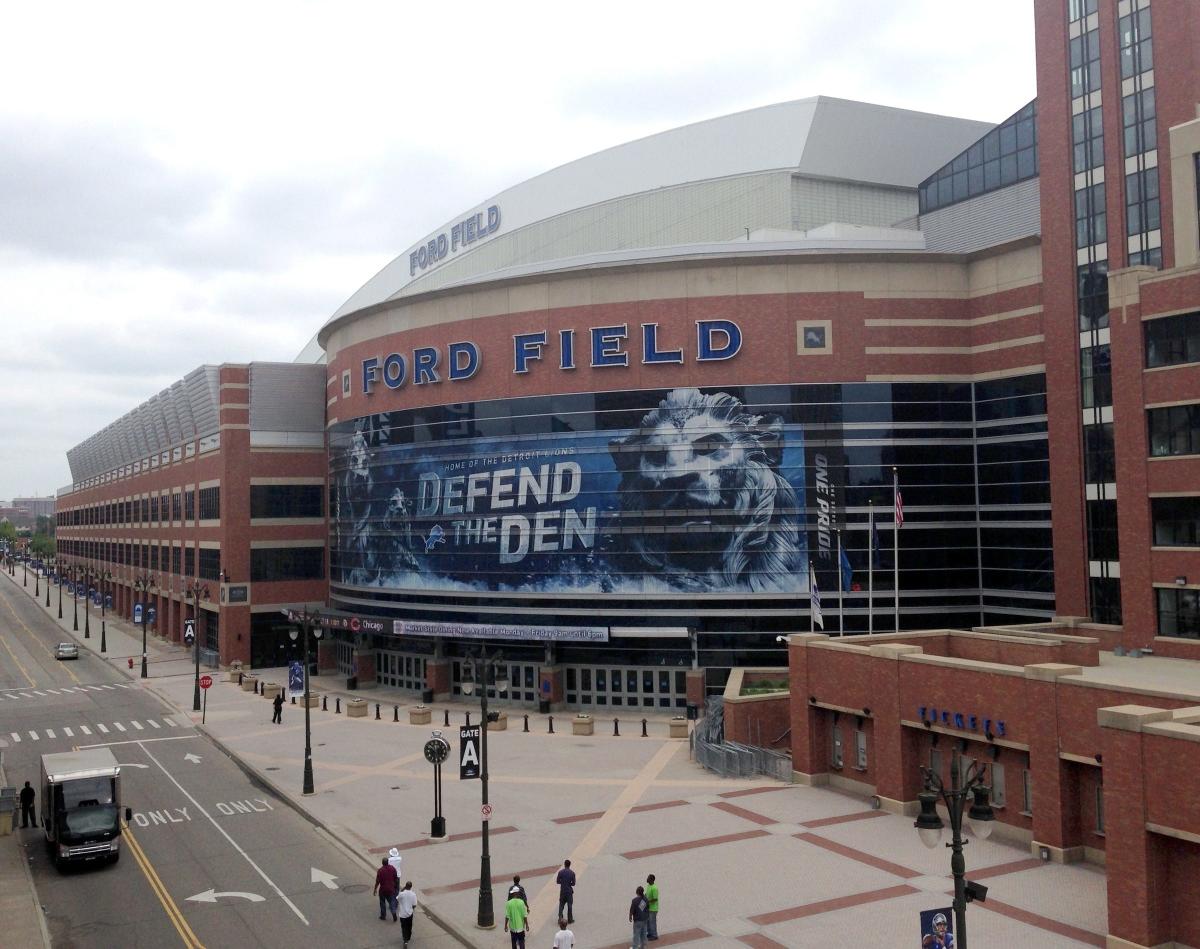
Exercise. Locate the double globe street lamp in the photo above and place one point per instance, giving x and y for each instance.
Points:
(196, 591)
(963, 786)
(312, 621)
(143, 583)
(485, 672)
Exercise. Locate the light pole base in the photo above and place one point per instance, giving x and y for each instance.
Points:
(143, 665)
(308, 777)
(103, 638)
(196, 697)
(437, 828)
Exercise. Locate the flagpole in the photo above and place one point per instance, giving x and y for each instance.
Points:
(841, 590)
(812, 614)
(896, 544)
(872, 552)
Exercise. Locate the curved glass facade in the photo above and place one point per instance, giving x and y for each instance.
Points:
(699, 508)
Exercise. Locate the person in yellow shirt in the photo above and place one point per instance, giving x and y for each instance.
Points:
(516, 917)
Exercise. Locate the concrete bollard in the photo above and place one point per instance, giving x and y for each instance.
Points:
(293, 700)
(468, 718)
(644, 735)
(446, 723)
(550, 720)
(376, 711)
(324, 703)
(337, 705)
(395, 713)
(526, 728)
(616, 728)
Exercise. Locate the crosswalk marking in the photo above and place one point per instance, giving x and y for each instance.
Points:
(85, 729)
(42, 694)
(152, 723)
(138, 726)
(169, 721)
(68, 732)
(120, 727)
(52, 692)
(33, 736)
(15, 737)
(107, 687)
(102, 728)
(26, 695)
(50, 733)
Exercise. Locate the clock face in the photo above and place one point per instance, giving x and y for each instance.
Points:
(436, 750)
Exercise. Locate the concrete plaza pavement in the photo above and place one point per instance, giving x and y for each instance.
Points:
(741, 862)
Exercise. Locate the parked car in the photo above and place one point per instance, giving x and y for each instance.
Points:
(66, 651)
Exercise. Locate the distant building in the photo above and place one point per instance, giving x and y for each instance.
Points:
(38, 507)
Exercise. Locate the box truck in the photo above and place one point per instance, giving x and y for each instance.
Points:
(81, 806)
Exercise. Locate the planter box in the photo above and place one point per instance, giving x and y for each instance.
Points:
(248, 683)
(314, 701)
(233, 675)
(583, 726)
(356, 708)
(500, 724)
(420, 715)
(679, 728)
(270, 690)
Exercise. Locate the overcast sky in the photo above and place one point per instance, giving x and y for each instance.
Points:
(189, 184)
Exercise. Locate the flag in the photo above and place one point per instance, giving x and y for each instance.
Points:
(876, 559)
(899, 506)
(814, 597)
(847, 570)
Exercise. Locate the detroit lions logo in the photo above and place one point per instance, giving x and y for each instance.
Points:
(702, 474)
(436, 536)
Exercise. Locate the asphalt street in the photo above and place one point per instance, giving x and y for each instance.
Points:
(211, 856)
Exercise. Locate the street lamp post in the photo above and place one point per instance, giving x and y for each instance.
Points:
(75, 597)
(49, 566)
(104, 577)
(477, 670)
(312, 620)
(196, 591)
(88, 576)
(142, 583)
(58, 569)
(973, 784)
(25, 569)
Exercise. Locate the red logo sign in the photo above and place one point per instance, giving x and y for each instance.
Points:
(205, 681)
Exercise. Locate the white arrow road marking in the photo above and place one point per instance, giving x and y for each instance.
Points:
(211, 896)
(320, 876)
(233, 843)
(194, 759)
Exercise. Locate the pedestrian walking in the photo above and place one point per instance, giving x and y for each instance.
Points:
(639, 915)
(516, 919)
(652, 899)
(564, 938)
(386, 885)
(395, 860)
(517, 890)
(407, 901)
(277, 718)
(28, 817)
(566, 892)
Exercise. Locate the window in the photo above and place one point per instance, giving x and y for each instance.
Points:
(1137, 53)
(210, 504)
(1026, 791)
(1092, 295)
(1179, 613)
(1174, 430)
(1142, 211)
(286, 500)
(1137, 118)
(1104, 596)
(835, 758)
(287, 563)
(189, 505)
(1100, 803)
(189, 561)
(1078, 9)
(860, 749)
(1087, 137)
(997, 796)
(176, 506)
(210, 563)
(177, 558)
(1102, 529)
(1099, 458)
(1085, 63)
(1096, 376)
(1091, 220)
(1172, 340)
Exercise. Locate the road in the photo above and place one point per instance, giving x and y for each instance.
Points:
(211, 857)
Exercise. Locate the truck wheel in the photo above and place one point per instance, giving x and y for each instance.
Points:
(114, 858)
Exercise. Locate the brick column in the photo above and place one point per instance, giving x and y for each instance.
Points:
(326, 655)
(552, 686)
(1055, 795)
(896, 761)
(1139, 885)
(809, 762)
(695, 687)
(437, 678)
(363, 664)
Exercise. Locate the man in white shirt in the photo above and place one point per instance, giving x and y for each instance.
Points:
(407, 904)
(395, 860)
(564, 938)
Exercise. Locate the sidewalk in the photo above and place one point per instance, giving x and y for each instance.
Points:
(746, 862)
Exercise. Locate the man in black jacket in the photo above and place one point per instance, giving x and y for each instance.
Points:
(28, 818)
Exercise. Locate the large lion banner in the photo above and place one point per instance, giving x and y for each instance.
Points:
(703, 496)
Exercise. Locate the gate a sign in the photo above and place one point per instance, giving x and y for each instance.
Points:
(468, 758)
(189, 630)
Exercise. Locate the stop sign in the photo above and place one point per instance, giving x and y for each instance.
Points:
(205, 681)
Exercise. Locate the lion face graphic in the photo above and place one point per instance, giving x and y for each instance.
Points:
(701, 499)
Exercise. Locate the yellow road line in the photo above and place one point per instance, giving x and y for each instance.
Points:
(174, 914)
(38, 641)
(16, 660)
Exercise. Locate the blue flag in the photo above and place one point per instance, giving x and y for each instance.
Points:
(875, 558)
(847, 570)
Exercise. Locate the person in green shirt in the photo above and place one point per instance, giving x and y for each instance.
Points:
(652, 899)
(516, 913)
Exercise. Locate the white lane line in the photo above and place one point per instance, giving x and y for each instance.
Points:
(52, 692)
(50, 733)
(107, 687)
(85, 729)
(169, 722)
(36, 692)
(33, 736)
(15, 737)
(68, 732)
(152, 723)
(120, 727)
(137, 725)
(233, 843)
(102, 728)
(26, 695)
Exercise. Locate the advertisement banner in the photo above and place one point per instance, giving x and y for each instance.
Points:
(937, 928)
(562, 634)
(699, 495)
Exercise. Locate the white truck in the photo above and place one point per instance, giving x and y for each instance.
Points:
(80, 805)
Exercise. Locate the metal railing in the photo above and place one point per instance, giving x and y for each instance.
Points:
(733, 759)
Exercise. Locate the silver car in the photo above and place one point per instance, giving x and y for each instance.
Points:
(66, 651)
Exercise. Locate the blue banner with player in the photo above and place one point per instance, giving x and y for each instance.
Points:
(937, 928)
(693, 493)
